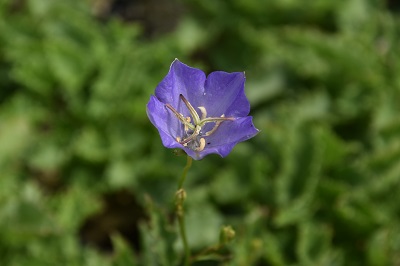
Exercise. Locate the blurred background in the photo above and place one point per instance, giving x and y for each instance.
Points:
(85, 180)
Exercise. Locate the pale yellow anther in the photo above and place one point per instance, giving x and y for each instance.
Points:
(203, 112)
(186, 126)
(202, 145)
(178, 139)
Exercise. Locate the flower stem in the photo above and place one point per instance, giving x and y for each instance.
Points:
(180, 198)
(185, 170)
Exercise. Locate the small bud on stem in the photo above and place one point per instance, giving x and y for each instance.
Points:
(227, 234)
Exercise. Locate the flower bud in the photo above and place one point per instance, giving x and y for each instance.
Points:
(180, 196)
(227, 234)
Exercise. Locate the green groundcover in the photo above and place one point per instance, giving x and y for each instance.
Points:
(85, 179)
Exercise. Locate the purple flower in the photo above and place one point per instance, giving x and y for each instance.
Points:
(201, 115)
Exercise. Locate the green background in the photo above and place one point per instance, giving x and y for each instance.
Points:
(85, 180)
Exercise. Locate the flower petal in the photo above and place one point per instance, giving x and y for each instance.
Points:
(231, 132)
(181, 79)
(167, 124)
(224, 94)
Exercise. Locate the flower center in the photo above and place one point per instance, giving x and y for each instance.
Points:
(193, 136)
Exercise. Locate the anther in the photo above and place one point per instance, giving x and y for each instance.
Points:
(203, 112)
(186, 126)
(202, 144)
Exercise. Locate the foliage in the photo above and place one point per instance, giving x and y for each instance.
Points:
(86, 181)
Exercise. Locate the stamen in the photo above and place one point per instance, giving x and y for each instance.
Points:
(199, 144)
(191, 137)
(216, 119)
(202, 145)
(215, 127)
(180, 117)
(203, 112)
(187, 120)
(195, 115)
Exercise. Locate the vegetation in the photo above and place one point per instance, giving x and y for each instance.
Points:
(85, 179)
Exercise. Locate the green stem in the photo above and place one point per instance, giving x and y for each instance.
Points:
(181, 194)
(185, 170)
